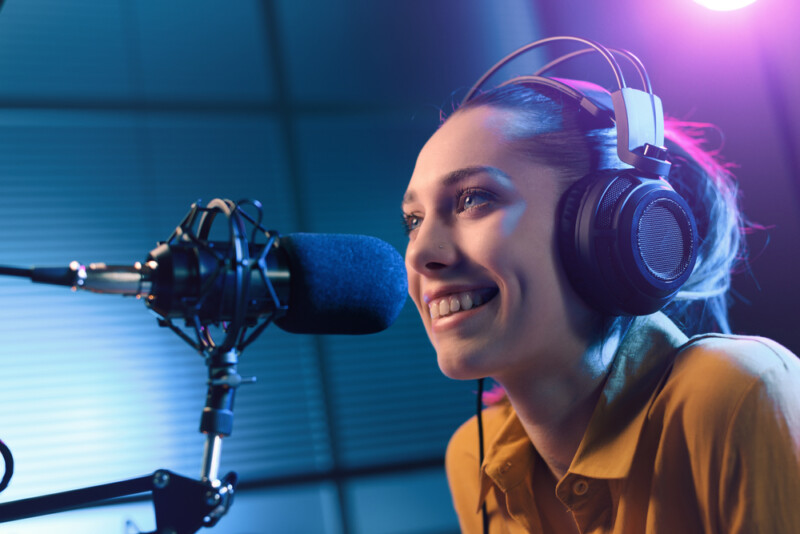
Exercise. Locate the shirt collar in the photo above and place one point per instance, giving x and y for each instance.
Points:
(640, 364)
(608, 446)
(509, 456)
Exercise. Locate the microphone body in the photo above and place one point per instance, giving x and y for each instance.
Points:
(187, 279)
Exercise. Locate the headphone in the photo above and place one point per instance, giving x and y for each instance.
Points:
(627, 240)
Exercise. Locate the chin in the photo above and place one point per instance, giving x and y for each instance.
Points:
(460, 366)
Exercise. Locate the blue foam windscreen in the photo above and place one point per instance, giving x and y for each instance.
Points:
(342, 284)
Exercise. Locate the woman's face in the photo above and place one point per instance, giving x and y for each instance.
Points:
(481, 258)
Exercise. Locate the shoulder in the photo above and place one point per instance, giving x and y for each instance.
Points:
(721, 362)
(718, 378)
(749, 354)
(740, 417)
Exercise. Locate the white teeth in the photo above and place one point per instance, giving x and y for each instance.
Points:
(454, 303)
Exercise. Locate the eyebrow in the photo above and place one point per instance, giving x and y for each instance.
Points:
(453, 177)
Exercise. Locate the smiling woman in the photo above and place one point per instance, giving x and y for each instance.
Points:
(489, 207)
(519, 206)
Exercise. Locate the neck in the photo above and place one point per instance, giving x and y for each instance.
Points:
(555, 405)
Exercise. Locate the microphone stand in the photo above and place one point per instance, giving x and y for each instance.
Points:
(183, 505)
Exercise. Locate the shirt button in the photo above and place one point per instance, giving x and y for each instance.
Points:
(505, 467)
(580, 487)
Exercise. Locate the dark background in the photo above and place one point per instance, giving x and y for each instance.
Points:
(116, 115)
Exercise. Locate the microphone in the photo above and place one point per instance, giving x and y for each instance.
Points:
(342, 284)
(311, 283)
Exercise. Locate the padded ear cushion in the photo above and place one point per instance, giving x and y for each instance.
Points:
(579, 273)
(628, 243)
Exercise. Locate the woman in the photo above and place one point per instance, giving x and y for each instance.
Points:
(609, 423)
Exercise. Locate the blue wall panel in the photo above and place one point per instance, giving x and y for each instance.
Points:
(114, 117)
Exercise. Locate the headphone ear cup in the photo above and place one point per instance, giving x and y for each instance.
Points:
(628, 243)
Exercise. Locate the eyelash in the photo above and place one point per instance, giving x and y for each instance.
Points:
(407, 218)
(465, 193)
(411, 222)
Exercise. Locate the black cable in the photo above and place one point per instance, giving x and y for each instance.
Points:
(9, 461)
(15, 271)
(479, 414)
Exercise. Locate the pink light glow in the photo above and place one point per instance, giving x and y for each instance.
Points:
(724, 5)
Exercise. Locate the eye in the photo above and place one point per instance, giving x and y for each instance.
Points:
(471, 199)
(411, 222)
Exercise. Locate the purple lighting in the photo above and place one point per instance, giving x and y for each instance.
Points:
(724, 5)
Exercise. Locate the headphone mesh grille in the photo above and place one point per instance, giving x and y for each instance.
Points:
(609, 201)
(664, 243)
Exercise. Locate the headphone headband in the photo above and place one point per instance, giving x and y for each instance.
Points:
(638, 114)
(595, 46)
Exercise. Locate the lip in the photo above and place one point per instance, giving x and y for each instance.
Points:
(441, 324)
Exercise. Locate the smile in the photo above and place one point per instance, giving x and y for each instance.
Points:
(460, 302)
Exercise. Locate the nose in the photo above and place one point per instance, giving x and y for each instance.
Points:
(432, 249)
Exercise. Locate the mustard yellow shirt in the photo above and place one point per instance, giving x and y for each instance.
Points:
(689, 436)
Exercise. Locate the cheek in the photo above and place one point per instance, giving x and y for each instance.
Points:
(413, 281)
(520, 237)
(522, 254)
(414, 286)
(492, 237)
(512, 218)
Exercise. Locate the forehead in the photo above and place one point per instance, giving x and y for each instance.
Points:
(477, 138)
(475, 133)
